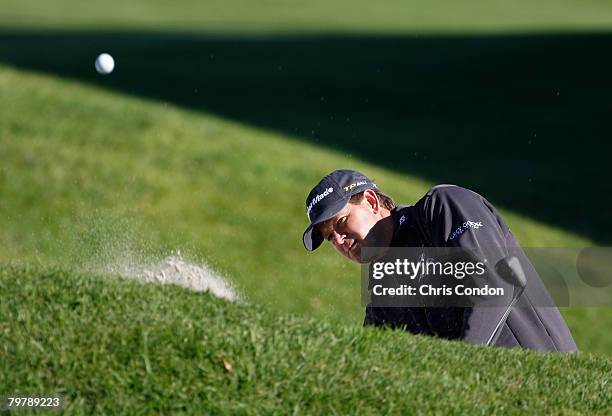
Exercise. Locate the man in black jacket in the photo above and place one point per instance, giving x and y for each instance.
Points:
(347, 209)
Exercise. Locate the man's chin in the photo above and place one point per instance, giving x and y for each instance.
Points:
(370, 254)
(355, 259)
(356, 256)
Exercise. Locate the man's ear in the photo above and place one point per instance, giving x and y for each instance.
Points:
(372, 200)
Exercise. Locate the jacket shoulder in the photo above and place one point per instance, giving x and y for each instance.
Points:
(449, 191)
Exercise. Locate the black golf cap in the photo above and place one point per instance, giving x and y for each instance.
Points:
(328, 198)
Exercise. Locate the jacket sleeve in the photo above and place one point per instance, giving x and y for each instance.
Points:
(460, 219)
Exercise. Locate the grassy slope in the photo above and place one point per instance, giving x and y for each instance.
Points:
(111, 345)
(395, 16)
(93, 179)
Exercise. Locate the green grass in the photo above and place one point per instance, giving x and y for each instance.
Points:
(91, 179)
(395, 16)
(110, 345)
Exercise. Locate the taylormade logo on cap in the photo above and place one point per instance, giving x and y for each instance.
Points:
(353, 185)
(318, 199)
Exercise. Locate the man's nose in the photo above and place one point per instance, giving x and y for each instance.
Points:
(337, 238)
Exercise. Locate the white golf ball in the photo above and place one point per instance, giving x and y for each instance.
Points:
(105, 64)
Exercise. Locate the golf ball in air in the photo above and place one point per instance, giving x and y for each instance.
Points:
(105, 64)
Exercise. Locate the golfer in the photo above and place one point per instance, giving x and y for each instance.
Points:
(348, 210)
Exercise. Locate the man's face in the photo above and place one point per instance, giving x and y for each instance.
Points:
(349, 228)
